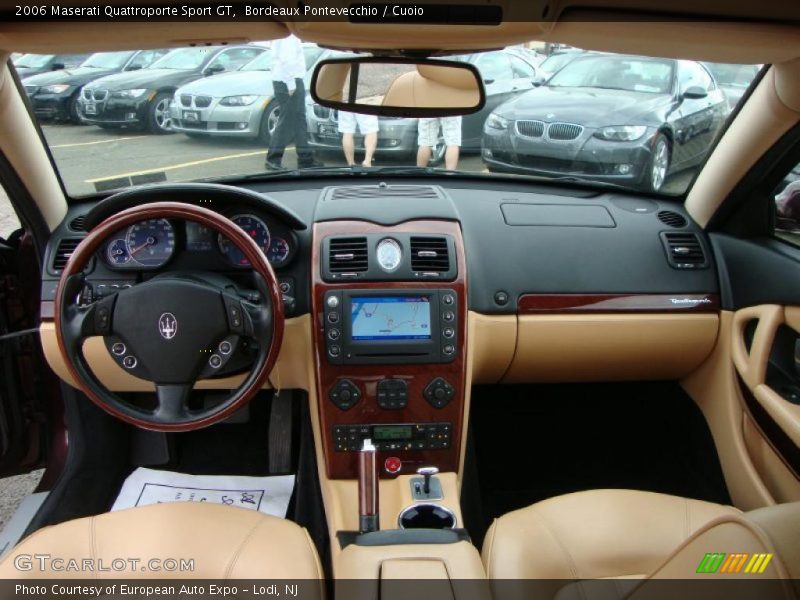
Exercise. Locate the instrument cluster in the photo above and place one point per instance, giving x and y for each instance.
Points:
(153, 243)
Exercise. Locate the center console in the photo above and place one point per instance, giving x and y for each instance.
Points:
(389, 308)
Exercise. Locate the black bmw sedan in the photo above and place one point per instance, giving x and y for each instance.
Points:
(54, 95)
(141, 100)
(630, 120)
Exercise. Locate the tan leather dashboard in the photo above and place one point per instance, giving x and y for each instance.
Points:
(505, 349)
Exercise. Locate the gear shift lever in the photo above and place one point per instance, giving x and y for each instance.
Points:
(368, 519)
(426, 487)
(427, 473)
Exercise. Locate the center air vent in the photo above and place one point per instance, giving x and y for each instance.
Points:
(367, 192)
(684, 250)
(671, 218)
(65, 249)
(429, 254)
(348, 255)
(78, 223)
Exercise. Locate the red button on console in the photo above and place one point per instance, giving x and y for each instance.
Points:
(393, 465)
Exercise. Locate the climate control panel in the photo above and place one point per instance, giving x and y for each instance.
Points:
(393, 436)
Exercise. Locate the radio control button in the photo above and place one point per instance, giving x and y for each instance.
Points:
(448, 332)
(449, 349)
(448, 316)
(448, 299)
(333, 317)
(332, 301)
(345, 394)
(334, 350)
(334, 334)
(439, 393)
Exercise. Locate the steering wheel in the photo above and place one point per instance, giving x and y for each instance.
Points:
(171, 324)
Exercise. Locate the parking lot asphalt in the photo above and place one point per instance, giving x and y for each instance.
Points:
(87, 156)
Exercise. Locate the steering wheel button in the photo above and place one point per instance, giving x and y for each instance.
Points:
(129, 362)
(215, 361)
(225, 347)
(119, 349)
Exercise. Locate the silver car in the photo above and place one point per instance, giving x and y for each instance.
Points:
(236, 104)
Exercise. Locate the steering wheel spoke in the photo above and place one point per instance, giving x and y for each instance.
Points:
(173, 402)
(82, 322)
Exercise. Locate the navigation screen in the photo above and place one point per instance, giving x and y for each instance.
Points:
(391, 318)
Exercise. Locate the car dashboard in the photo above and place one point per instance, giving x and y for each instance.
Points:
(402, 294)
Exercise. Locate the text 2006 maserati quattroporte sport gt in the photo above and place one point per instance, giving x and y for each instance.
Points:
(252, 370)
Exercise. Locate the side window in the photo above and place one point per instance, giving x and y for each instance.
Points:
(692, 74)
(521, 69)
(494, 66)
(145, 58)
(787, 207)
(235, 57)
(9, 222)
(312, 54)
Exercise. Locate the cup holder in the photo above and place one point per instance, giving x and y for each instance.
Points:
(426, 516)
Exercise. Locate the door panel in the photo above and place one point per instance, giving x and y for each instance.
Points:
(762, 336)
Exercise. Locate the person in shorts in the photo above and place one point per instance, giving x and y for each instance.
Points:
(367, 126)
(428, 136)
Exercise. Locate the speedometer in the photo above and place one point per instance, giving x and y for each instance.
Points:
(256, 229)
(151, 243)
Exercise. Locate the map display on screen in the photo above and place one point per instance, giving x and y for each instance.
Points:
(391, 318)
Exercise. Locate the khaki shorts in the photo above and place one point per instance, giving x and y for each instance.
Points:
(428, 131)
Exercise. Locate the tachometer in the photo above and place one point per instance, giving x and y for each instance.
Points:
(278, 251)
(117, 253)
(256, 229)
(151, 243)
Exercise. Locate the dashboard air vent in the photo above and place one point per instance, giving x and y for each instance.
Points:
(671, 218)
(684, 250)
(366, 192)
(348, 255)
(65, 249)
(429, 254)
(78, 223)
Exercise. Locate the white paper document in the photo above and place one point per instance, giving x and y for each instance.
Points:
(269, 495)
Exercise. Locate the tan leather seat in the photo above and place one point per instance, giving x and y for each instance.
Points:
(630, 534)
(223, 543)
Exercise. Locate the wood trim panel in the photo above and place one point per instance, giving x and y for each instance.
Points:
(610, 303)
(344, 465)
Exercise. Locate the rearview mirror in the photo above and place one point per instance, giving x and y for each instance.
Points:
(694, 92)
(214, 69)
(398, 87)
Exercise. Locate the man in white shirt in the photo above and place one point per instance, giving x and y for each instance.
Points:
(288, 71)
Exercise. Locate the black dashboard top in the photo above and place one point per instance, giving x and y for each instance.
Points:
(519, 238)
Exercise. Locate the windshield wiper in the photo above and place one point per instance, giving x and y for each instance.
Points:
(589, 181)
(354, 170)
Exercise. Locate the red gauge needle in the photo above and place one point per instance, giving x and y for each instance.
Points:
(148, 242)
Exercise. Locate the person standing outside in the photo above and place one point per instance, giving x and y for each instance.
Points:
(428, 135)
(367, 126)
(288, 71)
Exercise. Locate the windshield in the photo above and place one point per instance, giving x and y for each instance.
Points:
(617, 73)
(603, 120)
(553, 63)
(33, 61)
(184, 59)
(107, 60)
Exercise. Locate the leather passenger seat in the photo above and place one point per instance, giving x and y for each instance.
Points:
(224, 543)
(635, 535)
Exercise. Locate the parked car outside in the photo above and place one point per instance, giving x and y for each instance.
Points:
(734, 80)
(233, 104)
(506, 73)
(32, 64)
(631, 120)
(141, 99)
(54, 95)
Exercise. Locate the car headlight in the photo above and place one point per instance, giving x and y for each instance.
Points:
(621, 133)
(134, 93)
(237, 100)
(495, 121)
(59, 88)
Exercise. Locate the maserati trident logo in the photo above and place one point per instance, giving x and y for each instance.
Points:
(167, 326)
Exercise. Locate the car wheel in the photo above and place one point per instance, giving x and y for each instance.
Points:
(158, 117)
(269, 121)
(73, 113)
(658, 166)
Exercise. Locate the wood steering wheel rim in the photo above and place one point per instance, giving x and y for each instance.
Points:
(85, 379)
